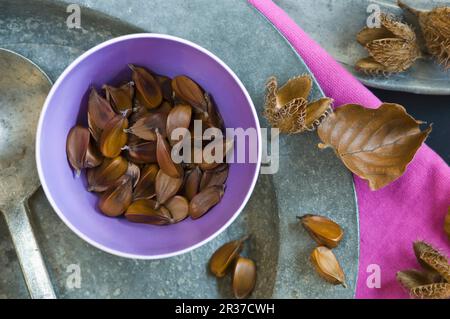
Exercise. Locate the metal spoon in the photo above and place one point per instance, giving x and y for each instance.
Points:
(23, 89)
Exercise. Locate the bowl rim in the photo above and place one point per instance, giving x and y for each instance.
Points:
(50, 97)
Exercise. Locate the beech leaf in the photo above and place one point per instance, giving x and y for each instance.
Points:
(375, 144)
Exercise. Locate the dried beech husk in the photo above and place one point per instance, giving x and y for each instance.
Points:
(431, 259)
(166, 186)
(145, 188)
(223, 257)
(209, 162)
(432, 291)
(93, 156)
(189, 91)
(114, 137)
(375, 144)
(327, 265)
(148, 91)
(192, 182)
(109, 172)
(323, 230)
(412, 278)
(244, 277)
(435, 26)
(146, 211)
(392, 47)
(178, 207)
(179, 117)
(147, 124)
(115, 201)
(77, 144)
(100, 113)
(214, 177)
(120, 98)
(134, 172)
(163, 156)
(288, 109)
(205, 200)
(447, 224)
(143, 152)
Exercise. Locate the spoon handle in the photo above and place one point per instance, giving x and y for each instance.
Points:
(28, 253)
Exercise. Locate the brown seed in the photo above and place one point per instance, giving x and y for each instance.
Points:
(224, 257)
(100, 113)
(163, 155)
(148, 91)
(178, 207)
(109, 172)
(244, 277)
(121, 98)
(143, 152)
(134, 172)
(209, 153)
(192, 182)
(77, 144)
(166, 186)
(179, 117)
(145, 187)
(327, 265)
(214, 177)
(136, 114)
(114, 137)
(93, 156)
(190, 92)
(214, 118)
(146, 211)
(205, 200)
(147, 124)
(115, 201)
(323, 230)
(166, 87)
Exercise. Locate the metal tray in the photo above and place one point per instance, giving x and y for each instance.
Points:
(334, 25)
(309, 180)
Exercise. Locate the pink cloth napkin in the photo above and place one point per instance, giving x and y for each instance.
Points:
(411, 208)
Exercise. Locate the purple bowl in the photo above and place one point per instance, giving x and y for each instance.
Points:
(66, 105)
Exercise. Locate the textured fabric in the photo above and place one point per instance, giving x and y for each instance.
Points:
(413, 207)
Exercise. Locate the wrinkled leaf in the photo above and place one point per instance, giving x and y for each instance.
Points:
(375, 144)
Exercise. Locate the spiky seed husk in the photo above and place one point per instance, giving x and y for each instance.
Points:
(431, 259)
(435, 26)
(392, 47)
(432, 291)
(287, 108)
(412, 278)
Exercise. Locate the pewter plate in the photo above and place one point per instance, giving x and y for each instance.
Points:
(309, 180)
(334, 25)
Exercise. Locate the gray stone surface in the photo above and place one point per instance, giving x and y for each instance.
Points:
(334, 25)
(309, 180)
